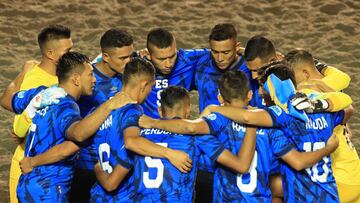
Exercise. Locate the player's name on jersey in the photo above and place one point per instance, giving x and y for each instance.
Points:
(107, 123)
(240, 127)
(317, 124)
(152, 131)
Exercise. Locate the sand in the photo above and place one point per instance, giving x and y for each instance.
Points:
(328, 28)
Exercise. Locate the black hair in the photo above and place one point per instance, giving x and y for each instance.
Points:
(172, 95)
(259, 46)
(115, 38)
(234, 84)
(159, 37)
(222, 32)
(69, 63)
(299, 56)
(280, 70)
(137, 66)
(53, 32)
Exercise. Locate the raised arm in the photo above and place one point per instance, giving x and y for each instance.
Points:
(181, 126)
(142, 146)
(55, 154)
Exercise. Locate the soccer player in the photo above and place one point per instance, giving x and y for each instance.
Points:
(156, 179)
(254, 185)
(345, 160)
(117, 49)
(55, 124)
(173, 67)
(120, 130)
(315, 184)
(54, 41)
(223, 57)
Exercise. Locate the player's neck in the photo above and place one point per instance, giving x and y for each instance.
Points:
(71, 90)
(173, 114)
(105, 69)
(48, 66)
(131, 91)
(238, 103)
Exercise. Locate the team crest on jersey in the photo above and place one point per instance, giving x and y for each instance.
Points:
(114, 89)
(276, 110)
(211, 117)
(21, 94)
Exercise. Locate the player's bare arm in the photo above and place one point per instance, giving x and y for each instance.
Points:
(110, 181)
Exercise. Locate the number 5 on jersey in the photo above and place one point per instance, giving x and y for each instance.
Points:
(154, 163)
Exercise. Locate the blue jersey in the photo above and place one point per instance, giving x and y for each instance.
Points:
(48, 182)
(249, 187)
(109, 142)
(157, 180)
(207, 75)
(181, 75)
(105, 88)
(317, 183)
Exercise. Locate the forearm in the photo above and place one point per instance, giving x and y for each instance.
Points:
(110, 181)
(302, 160)
(85, 128)
(145, 147)
(182, 126)
(256, 117)
(55, 154)
(102, 177)
(13, 87)
(247, 149)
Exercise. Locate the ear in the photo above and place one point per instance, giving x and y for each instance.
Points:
(76, 79)
(143, 84)
(105, 57)
(239, 49)
(50, 54)
(306, 74)
(249, 95)
(221, 99)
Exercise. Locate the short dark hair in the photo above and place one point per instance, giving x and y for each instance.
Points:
(69, 63)
(234, 84)
(53, 32)
(172, 95)
(115, 38)
(280, 70)
(259, 46)
(159, 37)
(137, 66)
(222, 32)
(299, 56)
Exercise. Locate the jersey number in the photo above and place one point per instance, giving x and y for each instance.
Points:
(104, 150)
(313, 171)
(251, 186)
(154, 163)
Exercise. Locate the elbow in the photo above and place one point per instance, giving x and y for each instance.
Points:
(298, 166)
(109, 187)
(243, 168)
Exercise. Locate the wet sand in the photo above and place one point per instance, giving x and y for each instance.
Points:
(329, 29)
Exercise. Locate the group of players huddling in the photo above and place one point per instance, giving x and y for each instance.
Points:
(272, 128)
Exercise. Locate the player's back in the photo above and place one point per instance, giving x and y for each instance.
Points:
(316, 183)
(181, 75)
(157, 180)
(109, 143)
(252, 186)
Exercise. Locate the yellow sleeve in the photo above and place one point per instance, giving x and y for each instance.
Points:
(336, 79)
(339, 100)
(21, 125)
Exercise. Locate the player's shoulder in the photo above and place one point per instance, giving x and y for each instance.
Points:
(129, 109)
